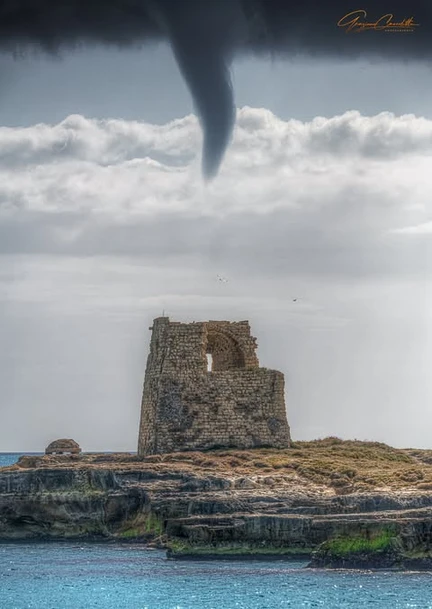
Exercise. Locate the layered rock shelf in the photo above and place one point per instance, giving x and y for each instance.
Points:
(336, 504)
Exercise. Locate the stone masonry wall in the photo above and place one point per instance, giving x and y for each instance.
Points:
(186, 407)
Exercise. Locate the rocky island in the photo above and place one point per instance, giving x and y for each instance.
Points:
(336, 503)
(217, 474)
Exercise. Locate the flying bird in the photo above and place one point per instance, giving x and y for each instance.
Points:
(222, 279)
(205, 37)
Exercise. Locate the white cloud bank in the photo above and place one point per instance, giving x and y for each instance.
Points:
(103, 224)
(344, 187)
(121, 167)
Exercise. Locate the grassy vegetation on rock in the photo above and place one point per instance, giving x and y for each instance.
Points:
(144, 525)
(346, 545)
(343, 466)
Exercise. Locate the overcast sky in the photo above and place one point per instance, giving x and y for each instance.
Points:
(325, 196)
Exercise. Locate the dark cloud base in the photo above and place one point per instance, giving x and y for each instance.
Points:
(230, 25)
(205, 36)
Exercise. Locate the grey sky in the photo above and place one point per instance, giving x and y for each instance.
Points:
(103, 227)
(75, 339)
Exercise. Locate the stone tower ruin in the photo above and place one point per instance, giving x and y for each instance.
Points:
(186, 406)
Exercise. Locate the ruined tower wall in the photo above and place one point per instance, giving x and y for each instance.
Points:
(186, 407)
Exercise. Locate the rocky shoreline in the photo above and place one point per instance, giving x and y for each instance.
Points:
(317, 502)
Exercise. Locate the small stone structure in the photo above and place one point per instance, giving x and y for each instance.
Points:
(186, 406)
(63, 447)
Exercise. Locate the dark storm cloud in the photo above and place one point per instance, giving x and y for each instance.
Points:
(206, 35)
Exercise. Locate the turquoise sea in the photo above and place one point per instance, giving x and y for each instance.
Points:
(113, 576)
(105, 576)
(10, 459)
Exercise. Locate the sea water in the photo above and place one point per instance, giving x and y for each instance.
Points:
(11, 458)
(109, 576)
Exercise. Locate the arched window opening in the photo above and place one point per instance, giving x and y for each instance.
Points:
(224, 351)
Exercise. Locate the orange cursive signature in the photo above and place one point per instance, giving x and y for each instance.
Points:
(352, 22)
